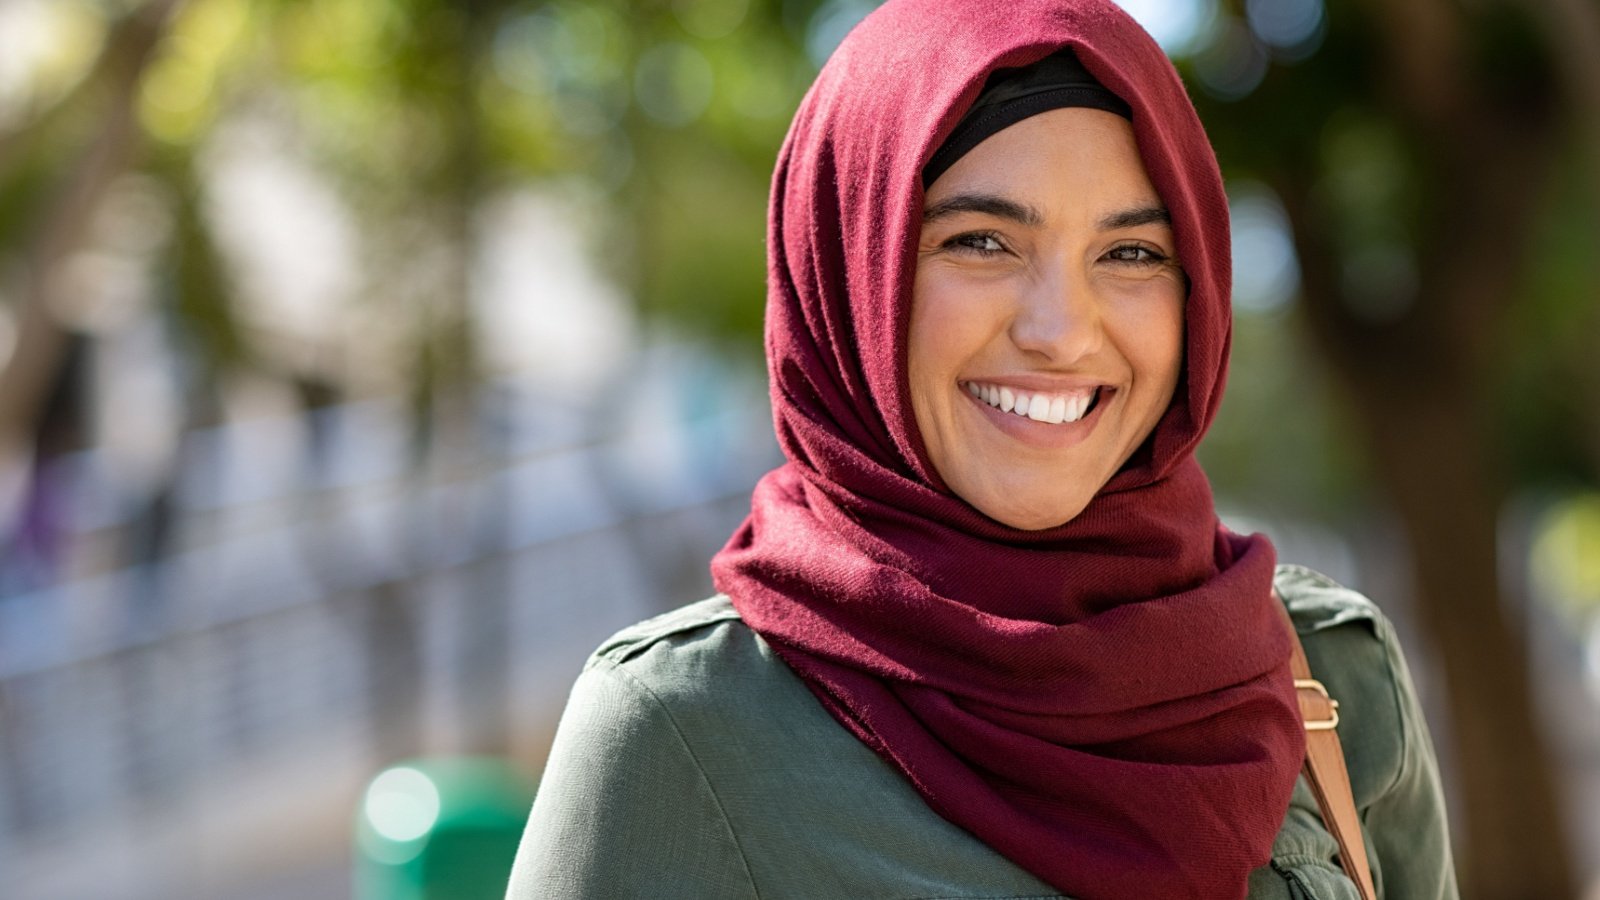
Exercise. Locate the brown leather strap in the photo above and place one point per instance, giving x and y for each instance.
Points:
(1325, 769)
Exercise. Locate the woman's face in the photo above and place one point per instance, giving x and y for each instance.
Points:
(1047, 316)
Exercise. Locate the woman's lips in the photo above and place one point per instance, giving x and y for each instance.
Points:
(1048, 419)
(1052, 406)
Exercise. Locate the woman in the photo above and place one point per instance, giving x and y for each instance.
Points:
(983, 635)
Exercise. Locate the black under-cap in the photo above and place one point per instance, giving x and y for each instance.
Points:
(1011, 95)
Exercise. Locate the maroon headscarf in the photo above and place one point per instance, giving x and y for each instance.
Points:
(1107, 703)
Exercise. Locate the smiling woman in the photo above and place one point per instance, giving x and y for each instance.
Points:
(983, 634)
(1047, 316)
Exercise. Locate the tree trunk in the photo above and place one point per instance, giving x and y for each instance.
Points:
(1432, 466)
(1419, 387)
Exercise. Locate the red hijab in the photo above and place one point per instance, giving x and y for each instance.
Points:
(1107, 703)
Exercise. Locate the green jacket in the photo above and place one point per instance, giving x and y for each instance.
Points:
(692, 763)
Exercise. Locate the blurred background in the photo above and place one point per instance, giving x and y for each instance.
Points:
(363, 363)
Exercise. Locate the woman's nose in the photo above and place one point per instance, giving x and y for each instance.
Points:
(1058, 320)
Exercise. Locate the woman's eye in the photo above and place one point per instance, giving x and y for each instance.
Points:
(1133, 253)
(980, 242)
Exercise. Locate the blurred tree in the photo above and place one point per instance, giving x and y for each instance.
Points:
(674, 109)
(54, 172)
(1425, 155)
(415, 112)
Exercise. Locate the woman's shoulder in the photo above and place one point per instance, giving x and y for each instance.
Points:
(1316, 601)
(707, 673)
(719, 686)
(688, 651)
(798, 794)
(1354, 652)
(723, 688)
(672, 629)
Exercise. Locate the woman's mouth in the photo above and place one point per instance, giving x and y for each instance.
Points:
(1049, 407)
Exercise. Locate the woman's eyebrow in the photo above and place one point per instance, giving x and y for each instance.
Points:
(989, 204)
(1133, 217)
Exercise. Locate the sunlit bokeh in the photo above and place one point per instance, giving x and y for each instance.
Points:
(402, 804)
(1292, 28)
(1266, 273)
(46, 46)
(1566, 553)
(1179, 26)
(1233, 62)
(830, 23)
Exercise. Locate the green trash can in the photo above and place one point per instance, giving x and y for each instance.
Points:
(440, 829)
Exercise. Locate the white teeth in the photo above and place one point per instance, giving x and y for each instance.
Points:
(1051, 409)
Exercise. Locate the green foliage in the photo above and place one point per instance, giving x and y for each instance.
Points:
(701, 216)
(671, 113)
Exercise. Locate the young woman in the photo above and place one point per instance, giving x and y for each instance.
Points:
(983, 635)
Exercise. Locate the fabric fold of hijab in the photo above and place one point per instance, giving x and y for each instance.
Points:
(1107, 703)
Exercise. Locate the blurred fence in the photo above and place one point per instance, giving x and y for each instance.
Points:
(196, 721)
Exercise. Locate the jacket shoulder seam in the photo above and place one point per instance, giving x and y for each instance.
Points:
(1338, 604)
(636, 639)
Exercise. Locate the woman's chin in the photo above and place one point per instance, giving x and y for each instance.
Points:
(1032, 518)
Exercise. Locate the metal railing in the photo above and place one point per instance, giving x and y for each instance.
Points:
(327, 617)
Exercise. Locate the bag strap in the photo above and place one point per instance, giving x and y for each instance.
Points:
(1324, 767)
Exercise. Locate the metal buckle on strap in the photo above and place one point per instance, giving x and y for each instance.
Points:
(1328, 724)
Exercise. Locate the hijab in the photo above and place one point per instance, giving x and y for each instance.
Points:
(1108, 702)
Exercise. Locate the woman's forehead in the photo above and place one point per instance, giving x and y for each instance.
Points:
(1080, 164)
